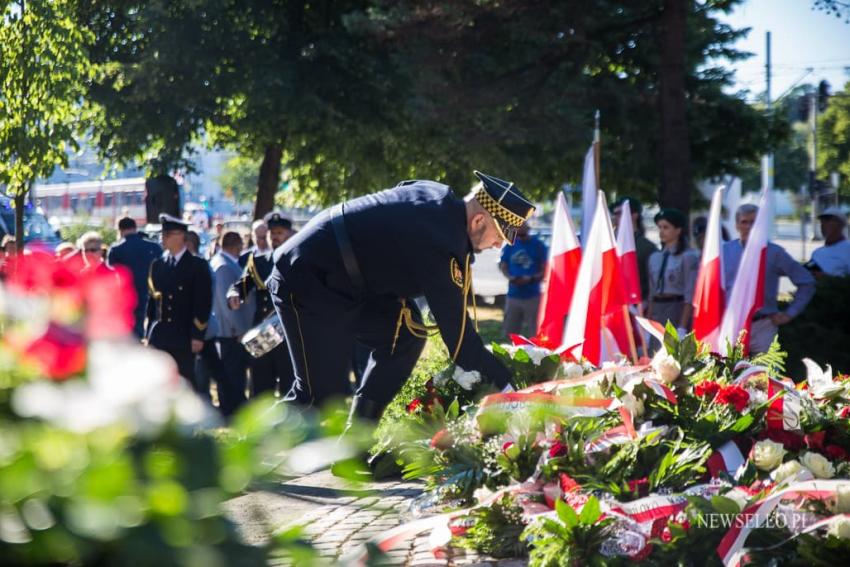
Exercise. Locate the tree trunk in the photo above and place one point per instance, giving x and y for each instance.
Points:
(20, 203)
(268, 181)
(676, 182)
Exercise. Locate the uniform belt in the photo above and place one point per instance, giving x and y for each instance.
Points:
(349, 260)
(668, 298)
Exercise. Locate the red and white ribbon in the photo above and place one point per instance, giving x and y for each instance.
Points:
(731, 548)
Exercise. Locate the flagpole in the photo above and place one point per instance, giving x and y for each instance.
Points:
(597, 143)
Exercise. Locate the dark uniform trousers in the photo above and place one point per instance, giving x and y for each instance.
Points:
(178, 309)
(371, 324)
(272, 371)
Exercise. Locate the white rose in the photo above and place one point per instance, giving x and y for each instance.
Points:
(786, 470)
(465, 379)
(757, 397)
(667, 368)
(572, 371)
(839, 527)
(536, 354)
(818, 464)
(842, 500)
(633, 404)
(482, 494)
(441, 379)
(767, 455)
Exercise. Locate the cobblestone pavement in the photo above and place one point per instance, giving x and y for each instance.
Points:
(338, 520)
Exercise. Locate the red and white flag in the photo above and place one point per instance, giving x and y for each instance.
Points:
(628, 255)
(598, 290)
(747, 295)
(561, 272)
(709, 294)
(588, 194)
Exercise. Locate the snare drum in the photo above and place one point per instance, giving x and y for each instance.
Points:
(263, 338)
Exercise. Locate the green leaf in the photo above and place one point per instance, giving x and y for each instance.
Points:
(725, 505)
(566, 513)
(590, 512)
(671, 340)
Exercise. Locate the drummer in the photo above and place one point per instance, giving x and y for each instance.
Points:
(273, 371)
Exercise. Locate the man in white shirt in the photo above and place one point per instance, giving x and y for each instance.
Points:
(833, 258)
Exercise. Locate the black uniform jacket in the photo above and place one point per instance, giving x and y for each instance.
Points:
(179, 302)
(408, 241)
(257, 269)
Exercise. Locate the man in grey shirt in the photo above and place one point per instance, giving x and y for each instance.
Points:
(229, 358)
(779, 263)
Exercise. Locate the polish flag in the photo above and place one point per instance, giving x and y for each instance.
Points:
(628, 255)
(598, 289)
(709, 294)
(588, 194)
(747, 295)
(561, 271)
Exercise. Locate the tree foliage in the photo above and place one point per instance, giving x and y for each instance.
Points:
(834, 137)
(43, 69)
(352, 96)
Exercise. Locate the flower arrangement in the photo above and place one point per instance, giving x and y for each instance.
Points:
(691, 458)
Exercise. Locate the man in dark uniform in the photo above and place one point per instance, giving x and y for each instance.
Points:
(135, 253)
(274, 370)
(179, 300)
(350, 273)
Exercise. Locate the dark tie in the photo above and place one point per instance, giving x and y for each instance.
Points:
(660, 284)
(173, 262)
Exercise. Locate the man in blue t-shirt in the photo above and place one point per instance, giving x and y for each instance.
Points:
(523, 263)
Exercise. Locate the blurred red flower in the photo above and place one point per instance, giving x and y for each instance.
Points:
(59, 353)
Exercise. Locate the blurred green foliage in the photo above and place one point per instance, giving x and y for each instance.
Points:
(72, 232)
(821, 332)
(112, 497)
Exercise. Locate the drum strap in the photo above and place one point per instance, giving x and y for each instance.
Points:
(349, 260)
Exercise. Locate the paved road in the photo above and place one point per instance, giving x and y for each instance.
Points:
(338, 520)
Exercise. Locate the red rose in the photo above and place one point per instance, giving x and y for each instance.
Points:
(844, 413)
(836, 453)
(441, 440)
(414, 405)
(814, 440)
(733, 395)
(557, 449)
(706, 389)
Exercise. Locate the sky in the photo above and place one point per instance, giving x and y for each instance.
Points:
(801, 38)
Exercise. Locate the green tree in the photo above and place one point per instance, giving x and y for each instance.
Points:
(44, 67)
(239, 178)
(512, 86)
(834, 137)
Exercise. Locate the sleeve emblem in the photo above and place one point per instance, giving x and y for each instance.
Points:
(456, 272)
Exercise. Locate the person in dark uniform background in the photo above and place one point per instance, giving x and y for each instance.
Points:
(136, 254)
(179, 300)
(350, 273)
(272, 372)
